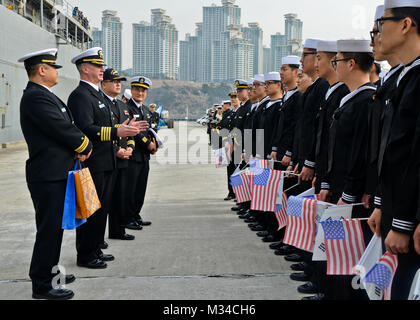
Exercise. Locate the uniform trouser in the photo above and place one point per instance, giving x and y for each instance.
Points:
(230, 170)
(48, 200)
(118, 206)
(136, 189)
(91, 234)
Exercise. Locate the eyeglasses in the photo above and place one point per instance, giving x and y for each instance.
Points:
(380, 22)
(373, 34)
(269, 83)
(335, 62)
(256, 85)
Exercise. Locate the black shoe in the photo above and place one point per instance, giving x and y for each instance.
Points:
(236, 209)
(285, 250)
(276, 245)
(54, 294)
(294, 257)
(106, 257)
(70, 278)
(229, 197)
(270, 238)
(300, 276)
(123, 237)
(318, 297)
(143, 223)
(258, 228)
(94, 264)
(298, 266)
(133, 226)
(251, 225)
(244, 216)
(262, 234)
(243, 211)
(103, 245)
(308, 288)
(250, 220)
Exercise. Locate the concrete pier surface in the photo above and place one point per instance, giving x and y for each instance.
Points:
(196, 248)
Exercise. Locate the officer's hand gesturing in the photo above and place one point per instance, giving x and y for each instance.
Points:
(141, 125)
(126, 130)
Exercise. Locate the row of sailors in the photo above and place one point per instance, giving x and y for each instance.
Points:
(355, 141)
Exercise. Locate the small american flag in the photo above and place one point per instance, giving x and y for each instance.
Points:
(259, 164)
(344, 245)
(242, 185)
(301, 224)
(264, 190)
(382, 274)
(281, 212)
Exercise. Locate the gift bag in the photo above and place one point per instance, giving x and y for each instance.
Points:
(70, 222)
(87, 201)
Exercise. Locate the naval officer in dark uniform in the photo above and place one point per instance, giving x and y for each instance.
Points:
(399, 158)
(138, 165)
(53, 142)
(93, 116)
(111, 88)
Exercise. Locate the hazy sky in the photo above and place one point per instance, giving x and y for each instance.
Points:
(323, 19)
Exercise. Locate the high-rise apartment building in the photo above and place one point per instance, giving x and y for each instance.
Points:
(112, 39)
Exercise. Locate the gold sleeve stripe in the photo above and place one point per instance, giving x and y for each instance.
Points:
(117, 125)
(131, 142)
(83, 146)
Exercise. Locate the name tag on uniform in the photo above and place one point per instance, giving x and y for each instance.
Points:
(63, 110)
(101, 106)
(136, 116)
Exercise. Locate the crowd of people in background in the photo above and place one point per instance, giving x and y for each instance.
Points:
(78, 15)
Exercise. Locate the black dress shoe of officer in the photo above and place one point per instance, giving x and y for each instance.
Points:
(243, 211)
(308, 288)
(258, 228)
(276, 245)
(251, 225)
(106, 257)
(262, 234)
(103, 245)
(236, 209)
(318, 297)
(123, 237)
(143, 223)
(54, 294)
(294, 257)
(270, 238)
(133, 226)
(94, 264)
(250, 220)
(300, 276)
(298, 266)
(70, 278)
(285, 250)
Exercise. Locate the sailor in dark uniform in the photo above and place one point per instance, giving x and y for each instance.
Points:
(248, 145)
(139, 162)
(223, 133)
(314, 97)
(346, 176)
(268, 120)
(326, 51)
(155, 118)
(93, 116)
(111, 88)
(380, 120)
(238, 133)
(283, 139)
(53, 143)
(399, 165)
